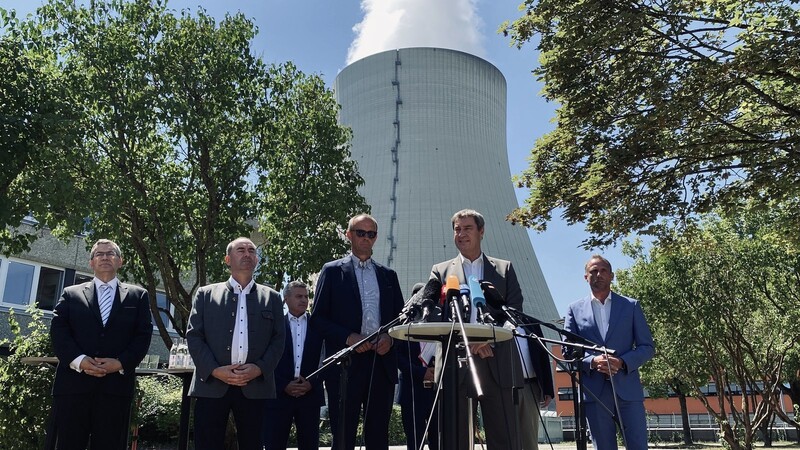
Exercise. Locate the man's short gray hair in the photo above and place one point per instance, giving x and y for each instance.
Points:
(287, 290)
(113, 245)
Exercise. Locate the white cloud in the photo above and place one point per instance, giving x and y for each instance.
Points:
(393, 24)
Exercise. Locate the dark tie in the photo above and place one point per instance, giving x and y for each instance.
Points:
(106, 301)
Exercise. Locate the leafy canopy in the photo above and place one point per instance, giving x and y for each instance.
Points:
(667, 109)
(188, 140)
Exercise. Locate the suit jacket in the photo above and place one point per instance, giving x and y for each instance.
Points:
(284, 373)
(337, 306)
(628, 334)
(210, 334)
(541, 363)
(505, 367)
(77, 329)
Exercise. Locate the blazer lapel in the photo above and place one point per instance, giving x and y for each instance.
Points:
(457, 269)
(613, 315)
(92, 301)
(116, 305)
(588, 312)
(350, 278)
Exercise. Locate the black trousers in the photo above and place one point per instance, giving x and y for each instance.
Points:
(95, 419)
(211, 420)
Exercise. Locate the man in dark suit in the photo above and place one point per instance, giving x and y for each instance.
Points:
(353, 298)
(617, 323)
(298, 400)
(235, 337)
(497, 364)
(415, 393)
(100, 332)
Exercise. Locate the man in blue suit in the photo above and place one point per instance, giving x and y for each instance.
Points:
(612, 389)
(298, 400)
(354, 296)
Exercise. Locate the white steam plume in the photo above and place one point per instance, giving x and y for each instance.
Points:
(393, 24)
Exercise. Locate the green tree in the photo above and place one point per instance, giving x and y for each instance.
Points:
(721, 300)
(666, 110)
(35, 133)
(189, 140)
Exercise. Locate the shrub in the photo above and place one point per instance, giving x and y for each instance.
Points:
(25, 400)
(158, 407)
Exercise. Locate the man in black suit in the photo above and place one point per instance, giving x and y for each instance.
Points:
(235, 337)
(298, 400)
(353, 298)
(100, 332)
(497, 364)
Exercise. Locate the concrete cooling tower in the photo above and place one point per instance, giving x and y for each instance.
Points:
(429, 136)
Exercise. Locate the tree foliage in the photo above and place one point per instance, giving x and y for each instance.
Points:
(35, 133)
(722, 301)
(188, 140)
(666, 109)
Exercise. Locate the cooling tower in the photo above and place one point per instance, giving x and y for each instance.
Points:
(429, 136)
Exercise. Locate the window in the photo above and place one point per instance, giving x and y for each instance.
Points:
(18, 284)
(565, 394)
(23, 283)
(49, 288)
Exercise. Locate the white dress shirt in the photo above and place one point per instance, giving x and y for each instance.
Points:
(602, 313)
(239, 344)
(298, 327)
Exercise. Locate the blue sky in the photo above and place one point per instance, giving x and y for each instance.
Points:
(317, 34)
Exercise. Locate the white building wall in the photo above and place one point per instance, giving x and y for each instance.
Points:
(444, 114)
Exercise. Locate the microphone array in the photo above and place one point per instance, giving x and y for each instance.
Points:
(428, 303)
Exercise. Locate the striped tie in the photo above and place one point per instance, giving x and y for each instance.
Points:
(106, 301)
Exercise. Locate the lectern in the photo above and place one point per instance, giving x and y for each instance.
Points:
(449, 334)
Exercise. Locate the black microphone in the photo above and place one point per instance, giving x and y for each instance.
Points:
(493, 298)
(422, 305)
(466, 301)
(429, 299)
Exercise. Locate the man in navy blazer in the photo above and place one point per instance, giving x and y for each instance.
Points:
(617, 323)
(298, 400)
(235, 337)
(99, 340)
(354, 296)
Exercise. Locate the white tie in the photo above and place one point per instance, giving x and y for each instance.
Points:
(106, 301)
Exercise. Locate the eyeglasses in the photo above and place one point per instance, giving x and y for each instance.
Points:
(369, 234)
(101, 255)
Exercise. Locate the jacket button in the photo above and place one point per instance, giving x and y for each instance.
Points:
(229, 347)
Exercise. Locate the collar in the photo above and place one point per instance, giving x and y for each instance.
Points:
(238, 288)
(464, 259)
(358, 263)
(605, 301)
(114, 282)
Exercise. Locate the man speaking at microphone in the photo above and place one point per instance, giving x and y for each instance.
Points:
(497, 364)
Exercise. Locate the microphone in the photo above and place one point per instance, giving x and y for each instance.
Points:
(428, 299)
(422, 306)
(453, 291)
(479, 301)
(493, 298)
(466, 303)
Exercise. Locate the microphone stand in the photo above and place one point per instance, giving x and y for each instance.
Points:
(470, 357)
(342, 359)
(577, 349)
